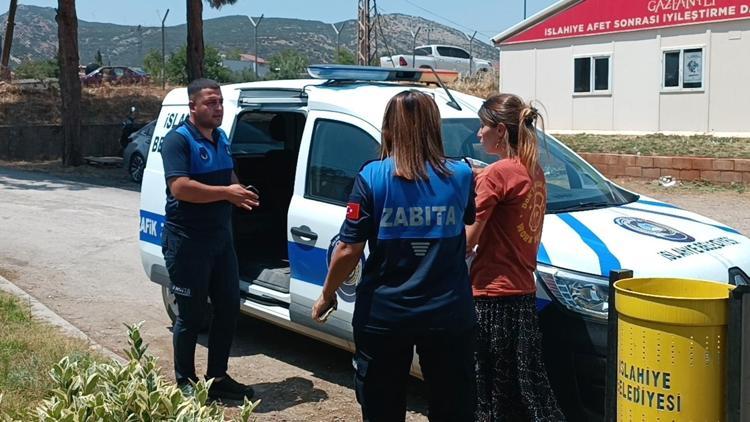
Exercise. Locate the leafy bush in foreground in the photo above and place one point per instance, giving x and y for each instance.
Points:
(84, 390)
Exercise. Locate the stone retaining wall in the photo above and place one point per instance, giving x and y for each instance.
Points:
(717, 170)
(33, 143)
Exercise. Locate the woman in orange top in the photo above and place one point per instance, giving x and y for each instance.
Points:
(512, 383)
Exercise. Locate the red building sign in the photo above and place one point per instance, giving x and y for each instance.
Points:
(596, 17)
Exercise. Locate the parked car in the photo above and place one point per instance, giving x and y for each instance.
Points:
(136, 151)
(115, 75)
(445, 57)
(309, 138)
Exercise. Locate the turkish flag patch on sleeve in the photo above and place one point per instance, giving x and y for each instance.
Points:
(352, 211)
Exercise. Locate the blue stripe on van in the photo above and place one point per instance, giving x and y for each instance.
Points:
(542, 256)
(308, 263)
(541, 304)
(657, 204)
(152, 226)
(725, 228)
(607, 260)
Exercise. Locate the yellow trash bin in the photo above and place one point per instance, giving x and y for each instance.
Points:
(671, 351)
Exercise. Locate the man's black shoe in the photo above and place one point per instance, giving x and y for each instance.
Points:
(229, 389)
(187, 388)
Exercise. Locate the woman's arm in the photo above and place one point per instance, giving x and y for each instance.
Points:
(344, 260)
(473, 233)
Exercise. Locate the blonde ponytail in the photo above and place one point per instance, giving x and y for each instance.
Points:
(521, 121)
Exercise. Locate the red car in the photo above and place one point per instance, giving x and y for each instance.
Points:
(115, 75)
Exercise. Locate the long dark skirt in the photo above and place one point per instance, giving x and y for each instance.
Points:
(512, 384)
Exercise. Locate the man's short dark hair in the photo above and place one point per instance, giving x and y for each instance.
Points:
(199, 85)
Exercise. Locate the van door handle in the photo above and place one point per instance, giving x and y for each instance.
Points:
(304, 232)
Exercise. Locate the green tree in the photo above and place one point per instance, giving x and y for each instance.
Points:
(233, 54)
(345, 56)
(152, 63)
(40, 69)
(176, 70)
(244, 75)
(98, 58)
(289, 64)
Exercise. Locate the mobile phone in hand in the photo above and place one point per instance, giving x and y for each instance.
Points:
(327, 313)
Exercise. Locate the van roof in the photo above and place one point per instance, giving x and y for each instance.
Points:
(365, 100)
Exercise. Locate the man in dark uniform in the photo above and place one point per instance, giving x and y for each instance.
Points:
(197, 241)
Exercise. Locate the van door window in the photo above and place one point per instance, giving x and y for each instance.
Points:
(258, 133)
(337, 153)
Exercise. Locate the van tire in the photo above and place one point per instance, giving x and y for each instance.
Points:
(170, 305)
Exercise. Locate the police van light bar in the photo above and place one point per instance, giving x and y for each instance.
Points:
(379, 74)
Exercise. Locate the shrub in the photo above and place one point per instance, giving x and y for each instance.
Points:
(84, 390)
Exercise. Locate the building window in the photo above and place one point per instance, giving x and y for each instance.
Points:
(683, 69)
(591, 75)
(338, 152)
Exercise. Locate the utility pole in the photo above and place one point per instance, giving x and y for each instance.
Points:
(366, 24)
(255, 42)
(414, 46)
(163, 53)
(524, 9)
(140, 43)
(429, 31)
(338, 32)
(471, 52)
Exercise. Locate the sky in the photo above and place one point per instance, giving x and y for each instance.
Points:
(487, 17)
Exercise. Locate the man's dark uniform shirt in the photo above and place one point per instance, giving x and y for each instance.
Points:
(185, 152)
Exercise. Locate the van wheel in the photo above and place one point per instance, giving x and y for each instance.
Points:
(170, 304)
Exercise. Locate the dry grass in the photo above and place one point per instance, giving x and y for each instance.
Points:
(41, 104)
(656, 144)
(482, 85)
(28, 350)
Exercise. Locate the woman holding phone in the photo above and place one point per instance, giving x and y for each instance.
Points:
(411, 207)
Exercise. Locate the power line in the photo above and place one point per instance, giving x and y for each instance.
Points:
(446, 19)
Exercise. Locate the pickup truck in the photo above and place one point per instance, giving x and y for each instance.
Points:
(438, 57)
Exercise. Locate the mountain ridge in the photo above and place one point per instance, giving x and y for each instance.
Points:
(35, 37)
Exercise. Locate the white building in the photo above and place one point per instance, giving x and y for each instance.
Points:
(634, 66)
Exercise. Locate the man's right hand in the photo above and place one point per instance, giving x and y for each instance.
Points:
(241, 197)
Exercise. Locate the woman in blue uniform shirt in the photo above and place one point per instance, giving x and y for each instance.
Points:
(411, 207)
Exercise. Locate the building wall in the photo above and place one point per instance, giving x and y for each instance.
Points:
(637, 103)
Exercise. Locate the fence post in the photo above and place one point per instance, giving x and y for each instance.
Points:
(610, 382)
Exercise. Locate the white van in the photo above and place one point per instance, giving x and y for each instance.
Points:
(302, 142)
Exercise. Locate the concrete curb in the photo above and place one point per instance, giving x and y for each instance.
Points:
(43, 313)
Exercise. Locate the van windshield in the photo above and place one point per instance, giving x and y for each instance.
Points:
(572, 184)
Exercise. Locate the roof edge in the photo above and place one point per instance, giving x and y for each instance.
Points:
(540, 16)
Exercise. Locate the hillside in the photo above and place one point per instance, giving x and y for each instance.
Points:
(36, 37)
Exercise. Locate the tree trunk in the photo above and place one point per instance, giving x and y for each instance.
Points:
(194, 39)
(4, 69)
(70, 83)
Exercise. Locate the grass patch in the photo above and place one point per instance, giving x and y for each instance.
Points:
(657, 144)
(28, 349)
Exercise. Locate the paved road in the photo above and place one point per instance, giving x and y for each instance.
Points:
(72, 244)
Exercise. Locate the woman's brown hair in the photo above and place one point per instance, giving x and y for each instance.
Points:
(520, 120)
(411, 135)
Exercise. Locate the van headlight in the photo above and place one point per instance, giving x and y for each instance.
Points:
(582, 293)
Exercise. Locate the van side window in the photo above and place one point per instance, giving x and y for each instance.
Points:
(337, 153)
(257, 133)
